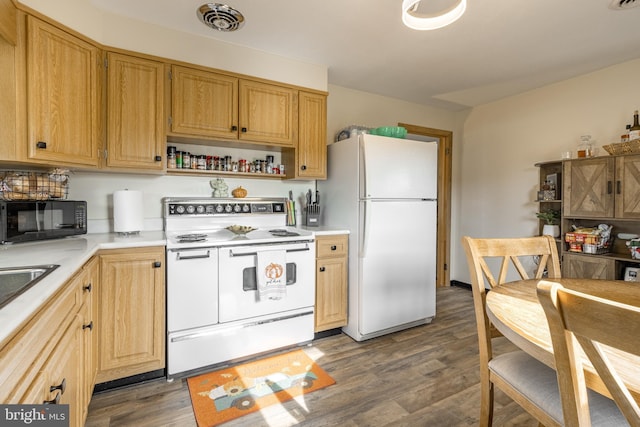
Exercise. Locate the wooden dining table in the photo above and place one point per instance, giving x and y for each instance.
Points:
(515, 311)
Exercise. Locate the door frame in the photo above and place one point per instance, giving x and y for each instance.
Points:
(443, 245)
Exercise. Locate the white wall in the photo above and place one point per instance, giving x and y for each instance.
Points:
(504, 139)
(117, 31)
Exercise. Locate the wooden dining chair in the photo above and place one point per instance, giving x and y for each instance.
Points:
(527, 381)
(580, 322)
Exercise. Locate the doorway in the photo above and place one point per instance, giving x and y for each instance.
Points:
(443, 245)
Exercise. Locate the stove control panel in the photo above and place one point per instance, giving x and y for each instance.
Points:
(225, 208)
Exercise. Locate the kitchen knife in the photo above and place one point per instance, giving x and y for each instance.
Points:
(317, 197)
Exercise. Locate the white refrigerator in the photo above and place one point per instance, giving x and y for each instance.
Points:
(383, 190)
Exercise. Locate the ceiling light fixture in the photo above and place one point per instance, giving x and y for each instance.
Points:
(422, 21)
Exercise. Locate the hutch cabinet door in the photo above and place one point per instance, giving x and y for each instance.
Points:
(588, 187)
(587, 267)
(628, 187)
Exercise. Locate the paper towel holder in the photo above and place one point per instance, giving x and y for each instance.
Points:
(128, 218)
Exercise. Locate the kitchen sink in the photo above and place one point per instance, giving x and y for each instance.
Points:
(16, 280)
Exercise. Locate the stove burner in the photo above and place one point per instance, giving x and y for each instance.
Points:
(283, 233)
(189, 238)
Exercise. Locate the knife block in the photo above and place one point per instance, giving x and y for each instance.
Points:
(312, 216)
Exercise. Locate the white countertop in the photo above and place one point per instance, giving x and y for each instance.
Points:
(324, 230)
(70, 254)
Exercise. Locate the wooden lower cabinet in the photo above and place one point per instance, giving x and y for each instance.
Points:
(331, 281)
(132, 312)
(46, 360)
(587, 267)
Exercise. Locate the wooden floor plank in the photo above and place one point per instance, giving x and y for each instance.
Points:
(424, 376)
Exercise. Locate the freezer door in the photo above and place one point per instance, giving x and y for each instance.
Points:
(397, 168)
(397, 263)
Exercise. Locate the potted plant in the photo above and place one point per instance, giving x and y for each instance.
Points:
(550, 218)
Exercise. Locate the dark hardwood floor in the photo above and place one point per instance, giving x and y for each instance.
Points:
(425, 376)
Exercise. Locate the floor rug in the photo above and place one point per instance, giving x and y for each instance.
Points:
(229, 393)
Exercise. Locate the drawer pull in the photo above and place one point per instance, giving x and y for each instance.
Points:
(53, 401)
(234, 128)
(334, 247)
(243, 130)
(62, 387)
(87, 287)
(41, 144)
(158, 158)
(157, 264)
(321, 269)
(88, 326)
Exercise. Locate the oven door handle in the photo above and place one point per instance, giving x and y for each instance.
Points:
(183, 257)
(231, 254)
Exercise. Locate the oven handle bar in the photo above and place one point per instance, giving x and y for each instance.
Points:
(231, 254)
(244, 325)
(182, 257)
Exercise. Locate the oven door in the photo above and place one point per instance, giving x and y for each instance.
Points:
(239, 298)
(192, 288)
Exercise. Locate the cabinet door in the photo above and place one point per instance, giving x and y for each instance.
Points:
(62, 94)
(135, 116)
(65, 373)
(587, 267)
(91, 288)
(312, 137)
(203, 103)
(588, 187)
(331, 293)
(132, 312)
(628, 187)
(331, 282)
(268, 113)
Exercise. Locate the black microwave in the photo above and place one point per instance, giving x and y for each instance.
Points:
(26, 221)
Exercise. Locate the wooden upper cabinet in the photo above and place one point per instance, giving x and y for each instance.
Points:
(135, 116)
(268, 113)
(203, 103)
(588, 187)
(628, 187)
(312, 138)
(62, 96)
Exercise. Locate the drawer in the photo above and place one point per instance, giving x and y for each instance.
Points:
(332, 246)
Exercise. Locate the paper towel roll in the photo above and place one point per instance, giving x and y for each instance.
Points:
(128, 213)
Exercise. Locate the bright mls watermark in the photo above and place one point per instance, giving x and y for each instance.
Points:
(34, 415)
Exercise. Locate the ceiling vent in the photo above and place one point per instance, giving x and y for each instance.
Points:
(623, 4)
(220, 17)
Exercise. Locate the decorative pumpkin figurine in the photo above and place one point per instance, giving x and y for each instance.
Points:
(239, 193)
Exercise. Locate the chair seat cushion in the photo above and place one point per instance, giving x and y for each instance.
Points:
(539, 384)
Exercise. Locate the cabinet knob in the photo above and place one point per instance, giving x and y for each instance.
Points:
(158, 158)
(234, 128)
(53, 401)
(334, 247)
(243, 130)
(322, 269)
(157, 264)
(88, 326)
(62, 387)
(41, 144)
(87, 287)
(303, 167)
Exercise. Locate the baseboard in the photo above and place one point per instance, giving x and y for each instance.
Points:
(327, 333)
(459, 284)
(123, 382)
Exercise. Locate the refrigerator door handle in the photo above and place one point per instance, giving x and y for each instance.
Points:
(366, 225)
